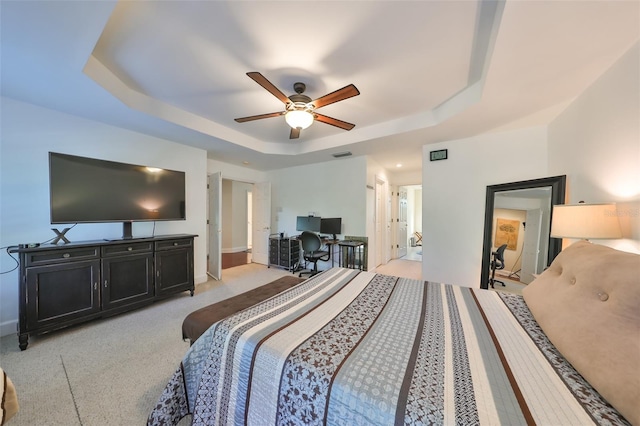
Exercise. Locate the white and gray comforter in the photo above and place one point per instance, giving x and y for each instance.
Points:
(348, 348)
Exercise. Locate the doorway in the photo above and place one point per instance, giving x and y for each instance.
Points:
(409, 223)
(236, 215)
(238, 220)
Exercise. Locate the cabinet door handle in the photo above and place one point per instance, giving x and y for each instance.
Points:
(129, 248)
(175, 244)
(66, 255)
(158, 273)
(95, 285)
(105, 284)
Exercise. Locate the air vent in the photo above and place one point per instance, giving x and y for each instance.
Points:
(341, 154)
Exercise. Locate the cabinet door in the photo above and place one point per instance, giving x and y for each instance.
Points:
(126, 280)
(60, 294)
(174, 271)
(274, 251)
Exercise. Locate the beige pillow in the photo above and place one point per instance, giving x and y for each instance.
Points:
(588, 304)
(8, 398)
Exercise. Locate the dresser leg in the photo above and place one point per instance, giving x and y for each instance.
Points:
(23, 341)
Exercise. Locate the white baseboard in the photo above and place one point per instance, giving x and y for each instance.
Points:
(201, 279)
(234, 249)
(8, 327)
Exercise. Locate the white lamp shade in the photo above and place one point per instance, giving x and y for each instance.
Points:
(585, 221)
(298, 119)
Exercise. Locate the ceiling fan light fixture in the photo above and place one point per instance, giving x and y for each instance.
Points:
(298, 118)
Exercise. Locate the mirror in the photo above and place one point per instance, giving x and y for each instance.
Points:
(521, 212)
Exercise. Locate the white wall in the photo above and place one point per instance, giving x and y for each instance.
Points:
(417, 208)
(596, 142)
(29, 132)
(453, 197)
(330, 189)
(239, 173)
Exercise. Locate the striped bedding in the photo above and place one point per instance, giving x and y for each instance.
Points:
(350, 348)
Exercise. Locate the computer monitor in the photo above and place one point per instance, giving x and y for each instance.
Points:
(331, 225)
(308, 223)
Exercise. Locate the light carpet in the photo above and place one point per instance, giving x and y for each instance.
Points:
(112, 371)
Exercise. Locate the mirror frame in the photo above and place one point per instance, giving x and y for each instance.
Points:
(558, 187)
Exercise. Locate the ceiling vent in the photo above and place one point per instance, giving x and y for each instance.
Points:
(341, 154)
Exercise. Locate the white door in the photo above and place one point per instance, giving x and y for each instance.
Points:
(402, 222)
(262, 222)
(214, 230)
(379, 224)
(531, 245)
(249, 220)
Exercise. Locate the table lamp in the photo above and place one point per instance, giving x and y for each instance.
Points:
(585, 221)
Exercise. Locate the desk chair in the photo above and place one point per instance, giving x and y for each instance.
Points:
(311, 252)
(497, 263)
(418, 238)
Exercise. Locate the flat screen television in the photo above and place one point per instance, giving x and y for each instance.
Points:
(308, 223)
(87, 190)
(331, 225)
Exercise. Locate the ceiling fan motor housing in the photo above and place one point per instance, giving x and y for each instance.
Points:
(299, 87)
(300, 98)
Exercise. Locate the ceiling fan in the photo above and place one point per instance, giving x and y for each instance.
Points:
(300, 110)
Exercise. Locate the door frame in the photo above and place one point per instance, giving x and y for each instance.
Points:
(219, 206)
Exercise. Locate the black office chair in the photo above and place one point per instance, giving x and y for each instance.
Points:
(311, 252)
(497, 263)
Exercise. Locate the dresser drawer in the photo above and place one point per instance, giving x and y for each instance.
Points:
(122, 249)
(46, 257)
(172, 244)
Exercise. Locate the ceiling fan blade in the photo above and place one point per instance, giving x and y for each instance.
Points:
(258, 117)
(262, 81)
(295, 133)
(339, 95)
(334, 122)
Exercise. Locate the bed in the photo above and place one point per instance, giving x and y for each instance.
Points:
(352, 347)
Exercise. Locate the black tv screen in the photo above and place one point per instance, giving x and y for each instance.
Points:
(90, 190)
(308, 223)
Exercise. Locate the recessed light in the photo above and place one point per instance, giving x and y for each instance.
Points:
(246, 163)
(398, 165)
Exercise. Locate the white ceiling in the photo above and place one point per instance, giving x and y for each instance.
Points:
(427, 71)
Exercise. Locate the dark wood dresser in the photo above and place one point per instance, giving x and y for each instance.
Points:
(63, 285)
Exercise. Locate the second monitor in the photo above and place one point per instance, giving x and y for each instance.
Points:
(332, 225)
(308, 223)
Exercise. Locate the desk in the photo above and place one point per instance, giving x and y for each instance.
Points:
(330, 245)
(354, 256)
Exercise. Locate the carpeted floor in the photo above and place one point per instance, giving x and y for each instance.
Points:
(402, 268)
(112, 371)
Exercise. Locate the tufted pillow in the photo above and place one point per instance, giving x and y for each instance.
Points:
(8, 399)
(588, 304)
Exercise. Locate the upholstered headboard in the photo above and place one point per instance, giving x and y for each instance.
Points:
(588, 304)
(8, 399)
